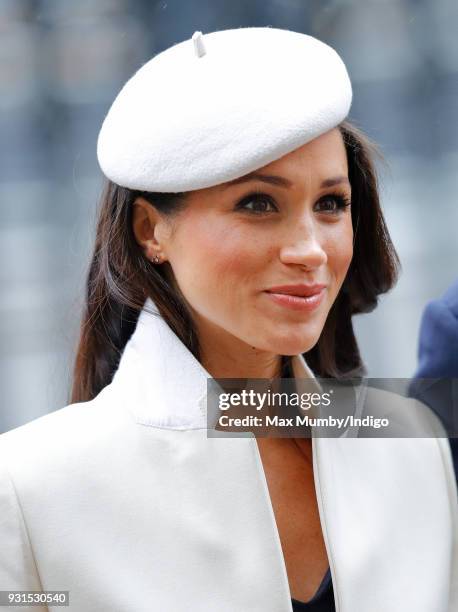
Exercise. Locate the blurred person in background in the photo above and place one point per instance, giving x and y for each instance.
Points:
(436, 380)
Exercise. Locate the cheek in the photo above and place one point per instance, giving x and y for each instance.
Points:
(221, 260)
(339, 249)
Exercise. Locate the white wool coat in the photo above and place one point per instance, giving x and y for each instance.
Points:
(125, 502)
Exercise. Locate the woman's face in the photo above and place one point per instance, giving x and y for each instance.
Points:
(290, 224)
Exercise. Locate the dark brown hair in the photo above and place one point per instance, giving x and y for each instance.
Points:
(120, 278)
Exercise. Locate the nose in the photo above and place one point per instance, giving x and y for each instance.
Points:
(305, 251)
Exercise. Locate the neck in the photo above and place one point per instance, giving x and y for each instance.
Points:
(224, 356)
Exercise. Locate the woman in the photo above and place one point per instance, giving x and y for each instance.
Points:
(122, 497)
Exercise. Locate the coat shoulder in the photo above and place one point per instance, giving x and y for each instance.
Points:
(64, 441)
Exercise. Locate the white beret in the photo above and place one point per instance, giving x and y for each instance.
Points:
(217, 106)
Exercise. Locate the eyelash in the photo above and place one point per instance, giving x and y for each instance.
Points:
(342, 202)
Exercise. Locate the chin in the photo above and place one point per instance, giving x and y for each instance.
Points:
(294, 345)
(303, 348)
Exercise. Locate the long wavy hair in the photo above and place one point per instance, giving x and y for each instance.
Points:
(120, 278)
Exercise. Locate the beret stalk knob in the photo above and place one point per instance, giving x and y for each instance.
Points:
(198, 41)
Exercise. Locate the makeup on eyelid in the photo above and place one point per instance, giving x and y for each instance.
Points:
(342, 201)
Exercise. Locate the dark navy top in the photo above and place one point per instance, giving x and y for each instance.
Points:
(323, 600)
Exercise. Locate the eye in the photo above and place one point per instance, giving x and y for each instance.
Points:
(332, 203)
(256, 203)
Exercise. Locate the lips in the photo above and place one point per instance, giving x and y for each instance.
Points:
(302, 298)
(299, 290)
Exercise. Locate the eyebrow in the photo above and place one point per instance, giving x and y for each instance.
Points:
(281, 181)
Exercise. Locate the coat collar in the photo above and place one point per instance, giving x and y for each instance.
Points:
(163, 384)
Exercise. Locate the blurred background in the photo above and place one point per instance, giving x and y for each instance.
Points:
(61, 65)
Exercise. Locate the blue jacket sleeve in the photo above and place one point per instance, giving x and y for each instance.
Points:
(436, 380)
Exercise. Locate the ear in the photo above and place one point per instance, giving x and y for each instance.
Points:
(145, 225)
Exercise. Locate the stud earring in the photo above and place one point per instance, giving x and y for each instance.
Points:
(156, 259)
